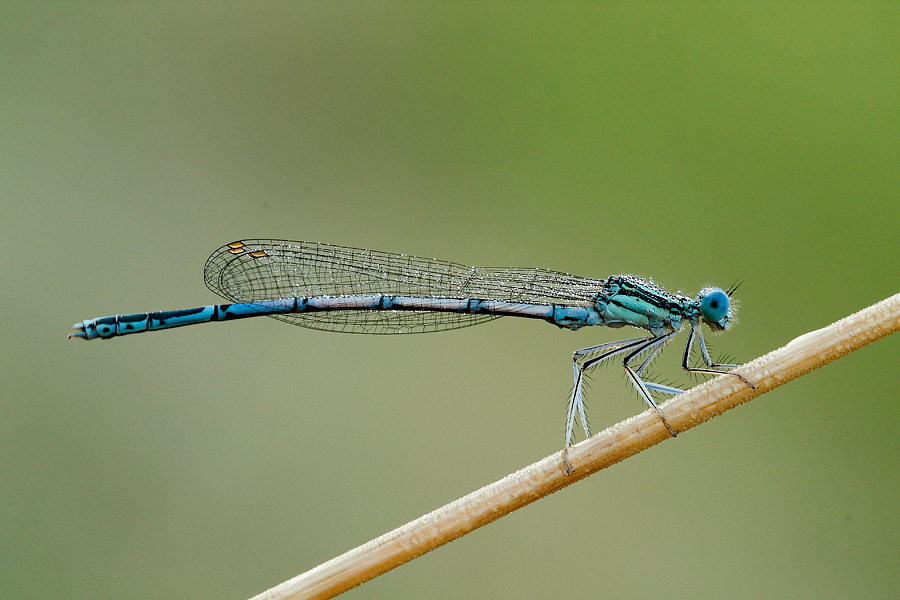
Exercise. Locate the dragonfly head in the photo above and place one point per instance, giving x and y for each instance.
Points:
(716, 309)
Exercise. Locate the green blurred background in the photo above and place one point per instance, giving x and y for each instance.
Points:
(694, 143)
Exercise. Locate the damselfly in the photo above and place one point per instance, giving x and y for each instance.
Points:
(336, 288)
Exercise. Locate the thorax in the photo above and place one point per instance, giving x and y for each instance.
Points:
(638, 302)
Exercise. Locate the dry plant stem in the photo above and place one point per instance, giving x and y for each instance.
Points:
(608, 447)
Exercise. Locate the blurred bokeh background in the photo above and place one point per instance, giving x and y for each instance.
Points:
(695, 143)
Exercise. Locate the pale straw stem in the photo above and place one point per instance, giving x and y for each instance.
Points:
(800, 356)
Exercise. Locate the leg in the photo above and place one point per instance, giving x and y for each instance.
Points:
(576, 404)
(604, 352)
(714, 368)
(657, 387)
(656, 350)
(654, 345)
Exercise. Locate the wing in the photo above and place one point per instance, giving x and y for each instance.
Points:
(253, 270)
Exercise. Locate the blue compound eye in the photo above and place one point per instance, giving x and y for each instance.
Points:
(714, 306)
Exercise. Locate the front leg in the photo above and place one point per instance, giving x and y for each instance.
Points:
(714, 368)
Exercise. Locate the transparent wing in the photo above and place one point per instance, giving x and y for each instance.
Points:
(254, 270)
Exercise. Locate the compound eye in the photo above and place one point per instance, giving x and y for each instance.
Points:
(714, 306)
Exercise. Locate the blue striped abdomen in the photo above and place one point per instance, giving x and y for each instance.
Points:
(570, 317)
